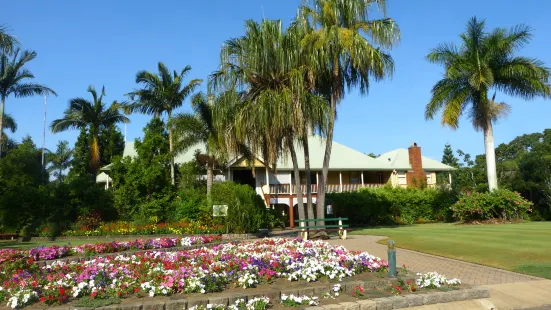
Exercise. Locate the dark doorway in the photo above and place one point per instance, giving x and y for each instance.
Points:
(244, 177)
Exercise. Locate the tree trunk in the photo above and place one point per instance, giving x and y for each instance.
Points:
(300, 202)
(2, 103)
(210, 174)
(171, 148)
(320, 202)
(490, 155)
(309, 207)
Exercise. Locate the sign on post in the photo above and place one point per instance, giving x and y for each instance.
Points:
(219, 210)
(329, 209)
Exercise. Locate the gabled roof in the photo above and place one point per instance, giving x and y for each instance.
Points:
(342, 158)
(184, 157)
(103, 177)
(399, 160)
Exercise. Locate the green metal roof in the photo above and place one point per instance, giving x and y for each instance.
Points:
(342, 158)
(399, 160)
(181, 158)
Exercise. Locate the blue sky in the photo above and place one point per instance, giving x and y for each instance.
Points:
(106, 42)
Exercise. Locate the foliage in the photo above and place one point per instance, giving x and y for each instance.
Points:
(388, 205)
(122, 228)
(23, 196)
(14, 76)
(96, 302)
(141, 185)
(246, 210)
(111, 143)
(94, 116)
(499, 204)
(60, 160)
(485, 62)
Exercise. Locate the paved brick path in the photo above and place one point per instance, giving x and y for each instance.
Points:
(419, 262)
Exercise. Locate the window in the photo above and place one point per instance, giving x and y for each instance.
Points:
(402, 180)
(380, 177)
(354, 177)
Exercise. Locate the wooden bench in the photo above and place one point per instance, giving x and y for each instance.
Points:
(304, 229)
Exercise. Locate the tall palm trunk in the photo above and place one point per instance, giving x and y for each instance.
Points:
(2, 103)
(210, 176)
(171, 147)
(300, 202)
(95, 154)
(309, 207)
(320, 203)
(490, 155)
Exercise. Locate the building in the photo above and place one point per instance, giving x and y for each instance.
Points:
(349, 170)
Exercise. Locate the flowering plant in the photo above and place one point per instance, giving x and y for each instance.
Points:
(297, 301)
(358, 292)
(200, 270)
(435, 280)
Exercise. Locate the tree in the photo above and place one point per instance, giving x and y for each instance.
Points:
(162, 93)
(81, 157)
(142, 185)
(191, 129)
(22, 199)
(60, 160)
(13, 77)
(448, 158)
(346, 48)
(7, 41)
(111, 143)
(92, 116)
(485, 62)
(266, 95)
(9, 124)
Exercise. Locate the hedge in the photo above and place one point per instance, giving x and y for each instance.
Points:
(389, 205)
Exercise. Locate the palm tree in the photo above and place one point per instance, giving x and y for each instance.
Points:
(93, 116)
(266, 93)
(346, 48)
(190, 129)
(162, 93)
(12, 80)
(7, 42)
(60, 160)
(485, 63)
(9, 124)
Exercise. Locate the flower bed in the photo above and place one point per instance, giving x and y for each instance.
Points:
(122, 228)
(55, 252)
(191, 271)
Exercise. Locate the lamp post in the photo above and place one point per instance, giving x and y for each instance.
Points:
(391, 258)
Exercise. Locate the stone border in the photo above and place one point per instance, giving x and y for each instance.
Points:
(413, 300)
(180, 302)
(134, 237)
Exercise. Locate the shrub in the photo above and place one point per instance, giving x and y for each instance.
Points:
(246, 210)
(502, 204)
(393, 205)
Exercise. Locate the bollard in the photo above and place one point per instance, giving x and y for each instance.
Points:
(391, 259)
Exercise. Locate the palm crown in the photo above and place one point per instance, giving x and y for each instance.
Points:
(13, 77)
(92, 115)
(483, 63)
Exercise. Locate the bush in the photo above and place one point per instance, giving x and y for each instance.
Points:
(393, 205)
(246, 210)
(501, 204)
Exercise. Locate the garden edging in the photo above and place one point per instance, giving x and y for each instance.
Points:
(179, 302)
(414, 300)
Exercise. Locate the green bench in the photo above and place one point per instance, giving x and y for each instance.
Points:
(304, 229)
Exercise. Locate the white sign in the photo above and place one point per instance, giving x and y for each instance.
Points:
(220, 210)
(329, 209)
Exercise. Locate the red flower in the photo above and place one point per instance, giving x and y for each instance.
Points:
(93, 295)
(61, 291)
(42, 299)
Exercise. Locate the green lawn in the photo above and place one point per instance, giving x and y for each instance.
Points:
(524, 247)
(30, 245)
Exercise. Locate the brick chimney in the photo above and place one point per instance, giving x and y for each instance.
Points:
(417, 177)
